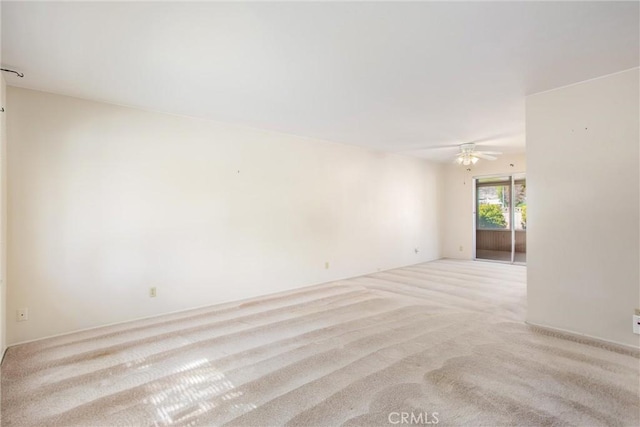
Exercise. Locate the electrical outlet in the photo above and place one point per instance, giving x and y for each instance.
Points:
(326, 265)
(461, 248)
(152, 292)
(22, 314)
(636, 324)
(416, 250)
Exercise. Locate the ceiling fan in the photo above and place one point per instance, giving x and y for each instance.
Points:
(468, 155)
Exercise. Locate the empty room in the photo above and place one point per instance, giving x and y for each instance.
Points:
(320, 213)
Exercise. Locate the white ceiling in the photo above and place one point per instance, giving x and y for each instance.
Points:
(389, 76)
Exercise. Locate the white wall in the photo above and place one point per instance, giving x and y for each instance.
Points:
(583, 207)
(107, 201)
(3, 210)
(3, 217)
(458, 200)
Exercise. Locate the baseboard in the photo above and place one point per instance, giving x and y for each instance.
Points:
(615, 346)
(207, 306)
(4, 353)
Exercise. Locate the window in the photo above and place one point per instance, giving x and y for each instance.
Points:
(493, 206)
(520, 200)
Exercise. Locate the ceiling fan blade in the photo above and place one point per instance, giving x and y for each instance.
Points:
(481, 141)
(491, 153)
(495, 137)
(483, 156)
(422, 147)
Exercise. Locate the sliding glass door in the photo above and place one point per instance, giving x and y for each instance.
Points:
(501, 218)
(520, 219)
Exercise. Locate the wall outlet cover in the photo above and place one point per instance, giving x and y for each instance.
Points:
(636, 324)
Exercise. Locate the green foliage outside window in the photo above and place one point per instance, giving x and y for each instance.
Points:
(491, 216)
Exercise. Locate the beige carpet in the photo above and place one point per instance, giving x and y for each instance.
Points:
(438, 341)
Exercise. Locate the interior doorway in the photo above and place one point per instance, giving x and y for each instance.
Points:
(500, 218)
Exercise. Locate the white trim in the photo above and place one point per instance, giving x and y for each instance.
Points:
(473, 217)
(497, 175)
(583, 81)
(575, 334)
(137, 319)
(216, 305)
(4, 353)
(512, 216)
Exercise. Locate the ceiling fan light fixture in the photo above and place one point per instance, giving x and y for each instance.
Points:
(466, 159)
